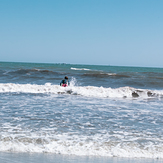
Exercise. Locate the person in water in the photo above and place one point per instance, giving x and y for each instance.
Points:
(65, 82)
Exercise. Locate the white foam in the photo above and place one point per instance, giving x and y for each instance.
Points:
(80, 69)
(88, 91)
(111, 74)
(80, 145)
(85, 69)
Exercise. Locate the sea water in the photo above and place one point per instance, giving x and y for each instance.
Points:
(106, 111)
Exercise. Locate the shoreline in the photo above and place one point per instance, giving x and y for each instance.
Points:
(8, 157)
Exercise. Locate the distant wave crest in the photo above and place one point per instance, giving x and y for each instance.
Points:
(85, 69)
(29, 71)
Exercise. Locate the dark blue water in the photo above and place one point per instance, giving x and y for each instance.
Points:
(86, 75)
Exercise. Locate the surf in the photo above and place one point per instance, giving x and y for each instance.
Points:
(87, 91)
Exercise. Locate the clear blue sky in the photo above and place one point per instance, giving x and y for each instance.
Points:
(103, 32)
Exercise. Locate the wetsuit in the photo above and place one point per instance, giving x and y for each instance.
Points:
(64, 83)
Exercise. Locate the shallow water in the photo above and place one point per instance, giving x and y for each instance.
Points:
(39, 116)
(51, 158)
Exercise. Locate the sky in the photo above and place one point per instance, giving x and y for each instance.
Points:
(98, 32)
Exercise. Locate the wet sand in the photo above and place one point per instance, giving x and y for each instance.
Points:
(6, 157)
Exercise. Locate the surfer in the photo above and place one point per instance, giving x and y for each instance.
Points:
(65, 82)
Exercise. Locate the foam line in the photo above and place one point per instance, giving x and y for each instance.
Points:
(88, 91)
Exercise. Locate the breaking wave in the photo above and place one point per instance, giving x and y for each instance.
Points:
(87, 91)
(80, 145)
(80, 69)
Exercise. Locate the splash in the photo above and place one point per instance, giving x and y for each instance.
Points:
(73, 82)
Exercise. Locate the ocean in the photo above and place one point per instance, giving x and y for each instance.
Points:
(107, 112)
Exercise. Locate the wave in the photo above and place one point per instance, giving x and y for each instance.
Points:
(80, 145)
(103, 75)
(87, 91)
(95, 73)
(80, 69)
(29, 71)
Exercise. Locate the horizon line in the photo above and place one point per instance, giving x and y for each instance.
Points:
(79, 64)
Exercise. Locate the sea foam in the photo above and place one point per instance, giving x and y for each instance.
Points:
(80, 145)
(88, 91)
(80, 69)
